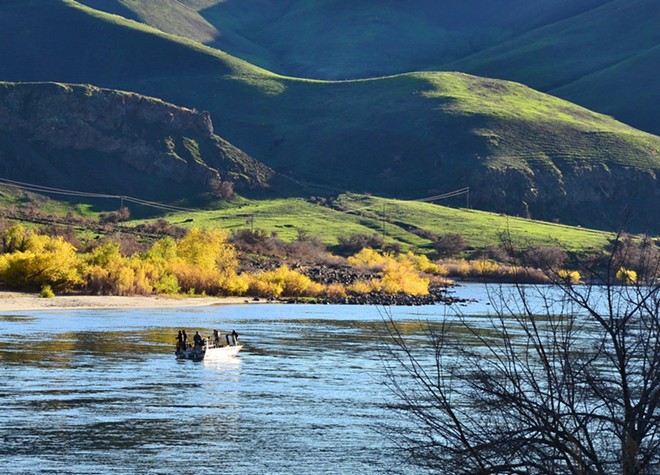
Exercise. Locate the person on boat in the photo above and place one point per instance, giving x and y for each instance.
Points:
(198, 340)
(216, 337)
(179, 341)
(185, 339)
(232, 338)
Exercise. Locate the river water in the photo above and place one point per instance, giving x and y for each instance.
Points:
(100, 392)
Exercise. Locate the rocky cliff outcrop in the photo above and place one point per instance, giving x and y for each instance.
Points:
(102, 140)
(595, 195)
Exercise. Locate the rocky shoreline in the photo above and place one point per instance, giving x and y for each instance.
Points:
(437, 295)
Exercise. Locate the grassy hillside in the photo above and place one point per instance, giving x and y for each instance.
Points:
(171, 16)
(409, 135)
(547, 45)
(397, 221)
(614, 45)
(353, 214)
(338, 39)
(638, 74)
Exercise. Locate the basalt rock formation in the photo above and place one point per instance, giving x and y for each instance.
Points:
(106, 141)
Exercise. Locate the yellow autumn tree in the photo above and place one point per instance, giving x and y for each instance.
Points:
(421, 262)
(570, 276)
(32, 261)
(283, 282)
(627, 276)
(397, 275)
(205, 262)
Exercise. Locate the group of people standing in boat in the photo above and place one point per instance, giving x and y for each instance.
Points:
(199, 342)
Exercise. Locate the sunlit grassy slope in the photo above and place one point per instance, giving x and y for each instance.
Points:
(408, 135)
(393, 219)
(544, 44)
(605, 59)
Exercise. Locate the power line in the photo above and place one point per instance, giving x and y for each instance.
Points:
(166, 207)
(122, 198)
(451, 194)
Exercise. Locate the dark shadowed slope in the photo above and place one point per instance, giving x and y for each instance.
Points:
(338, 39)
(105, 141)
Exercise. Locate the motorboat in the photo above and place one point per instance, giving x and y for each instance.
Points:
(215, 347)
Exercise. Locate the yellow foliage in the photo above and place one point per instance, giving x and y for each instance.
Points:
(162, 251)
(405, 281)
(335, 291)
(236, 285)
(124, 278)
(37, 260)
(105, 255)
(207, 250)
(365, 287)
(420, 262)
(202, 261)
(485, 267)
(108, 272)
(167, 284)
(369, 258)
(400, 275)
(627, 276)
(571, 276)
(460, 268)
(46, 292)
(261, 288)
(442, 271)
(284, 282)
(14, 239)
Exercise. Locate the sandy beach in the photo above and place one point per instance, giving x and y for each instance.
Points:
(16, 301)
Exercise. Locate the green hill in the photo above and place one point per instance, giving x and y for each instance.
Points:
(412, 135)
(338, 39)
(605, 59)
(565, 48)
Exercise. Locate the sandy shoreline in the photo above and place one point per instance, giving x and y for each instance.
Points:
(16, 301)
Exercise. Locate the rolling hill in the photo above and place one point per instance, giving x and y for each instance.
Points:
(410, 135)
(566, 48)
(338, 39)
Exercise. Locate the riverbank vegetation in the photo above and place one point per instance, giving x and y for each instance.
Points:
(201, 262)
(255, 263)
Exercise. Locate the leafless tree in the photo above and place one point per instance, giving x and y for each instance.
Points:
(557, 379)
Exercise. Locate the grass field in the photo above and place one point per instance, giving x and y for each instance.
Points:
(353, 214)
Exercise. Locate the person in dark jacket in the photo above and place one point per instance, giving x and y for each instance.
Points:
(198, 340)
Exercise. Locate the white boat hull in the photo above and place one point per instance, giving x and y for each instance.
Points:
(223, 352)
(213, 352)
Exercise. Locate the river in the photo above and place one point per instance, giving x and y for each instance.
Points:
(100, 392)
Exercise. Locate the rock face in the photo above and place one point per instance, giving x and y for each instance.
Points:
(107, 141)
(595, 195)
